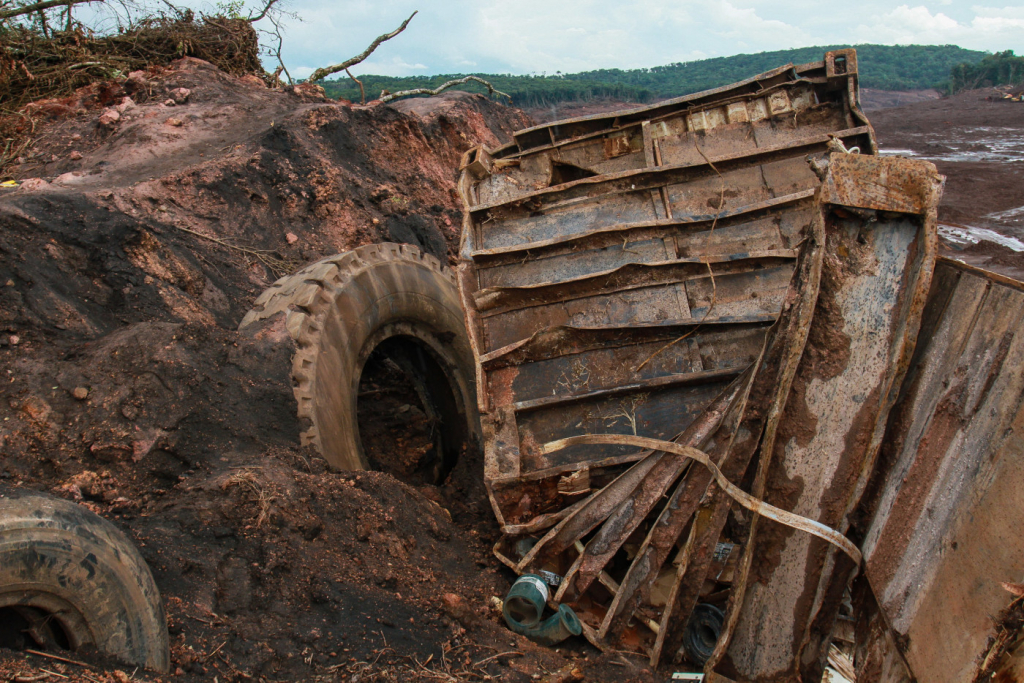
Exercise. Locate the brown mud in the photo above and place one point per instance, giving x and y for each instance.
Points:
(125, 268)
(976, 140)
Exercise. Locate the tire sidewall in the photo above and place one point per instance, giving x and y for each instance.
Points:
(59, 557)
(385, 299)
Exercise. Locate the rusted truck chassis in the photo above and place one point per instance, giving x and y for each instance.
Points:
(719, 363)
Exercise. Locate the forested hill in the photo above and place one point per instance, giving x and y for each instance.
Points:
(886, 67)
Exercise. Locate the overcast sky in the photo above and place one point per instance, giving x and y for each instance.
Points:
(537, 36)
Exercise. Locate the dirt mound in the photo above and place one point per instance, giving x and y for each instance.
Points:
(37, 67)
(128, 256)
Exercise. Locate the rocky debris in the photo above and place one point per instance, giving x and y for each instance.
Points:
(175, 122)
(75, 155)
(109, 118)
(180, 95)
(80, 393)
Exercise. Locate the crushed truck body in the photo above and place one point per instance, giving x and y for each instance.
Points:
(695, 325)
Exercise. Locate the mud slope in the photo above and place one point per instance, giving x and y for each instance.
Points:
(124, 272)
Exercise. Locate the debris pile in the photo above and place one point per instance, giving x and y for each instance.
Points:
(691, 323)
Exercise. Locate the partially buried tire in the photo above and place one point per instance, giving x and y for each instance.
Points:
(70, 579)
(385, 298)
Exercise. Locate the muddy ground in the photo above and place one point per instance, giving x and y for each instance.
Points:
(124, 271)
(976, 139)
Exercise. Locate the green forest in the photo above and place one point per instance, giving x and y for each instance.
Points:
(1002, 68)
(886, 67)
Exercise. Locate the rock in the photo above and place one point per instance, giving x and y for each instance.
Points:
(14, 339)
(35, 408)
(126, 104)
(252, 79)
(75, 155)
(67, 178)
(34, 184)
(168, 103)
(456, 607)
(109, 118)
(81, 393)
(291, 238)
(180, 95)
(88, 483)
(309, 90)
(136, 81)
(174, 122)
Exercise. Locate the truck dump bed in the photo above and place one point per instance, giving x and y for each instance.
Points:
(620, 272)
(689, 317)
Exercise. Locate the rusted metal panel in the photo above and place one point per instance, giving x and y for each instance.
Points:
(675, 278)
(619, 276)
(881, 244)
(944, 533)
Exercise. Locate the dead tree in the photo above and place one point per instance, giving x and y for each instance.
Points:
(491, 90)
(320, 74)
(39, 7)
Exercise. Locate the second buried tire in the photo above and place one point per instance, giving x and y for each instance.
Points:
(341, 309)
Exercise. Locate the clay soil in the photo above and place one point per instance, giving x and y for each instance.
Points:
(126, 386)
(125, 269)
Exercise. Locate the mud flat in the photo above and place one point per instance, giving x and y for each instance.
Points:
(978, 144)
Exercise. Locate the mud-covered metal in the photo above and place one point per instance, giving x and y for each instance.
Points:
(619, 274)
(942, 532)
(737, 273)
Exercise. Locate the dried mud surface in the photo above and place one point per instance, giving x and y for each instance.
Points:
(124, 271)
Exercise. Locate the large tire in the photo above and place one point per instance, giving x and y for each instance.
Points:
(59, 562)
(342, 308)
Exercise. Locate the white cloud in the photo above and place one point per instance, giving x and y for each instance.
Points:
(989, 29)
(542, 36)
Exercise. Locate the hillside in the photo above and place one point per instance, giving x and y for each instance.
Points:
(885, 67)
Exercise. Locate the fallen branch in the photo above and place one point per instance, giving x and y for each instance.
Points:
(362, 93)
(327, 71)
(491, 90)
(277, 266)
(39, 6)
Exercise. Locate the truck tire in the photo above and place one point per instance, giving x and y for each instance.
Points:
(69, 578)
(339, 310)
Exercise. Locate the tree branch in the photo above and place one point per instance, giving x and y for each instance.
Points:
(362, 93)
(327, 71)
(39, 6)
(266, 8)
(491, 90)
